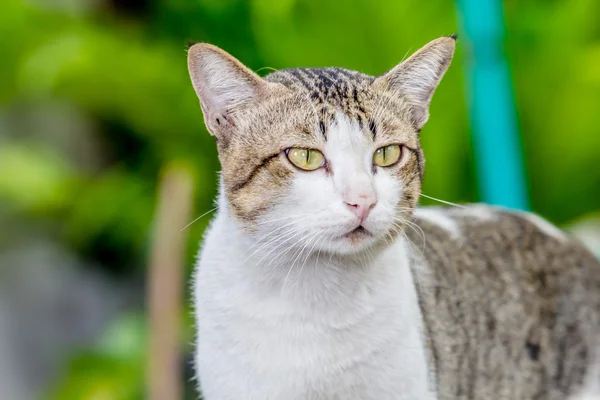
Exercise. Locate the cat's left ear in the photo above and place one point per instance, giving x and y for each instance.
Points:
(416, 79)
(224, 86)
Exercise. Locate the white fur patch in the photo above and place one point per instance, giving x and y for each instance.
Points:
(544, 226)
(331, 332)
(591, 386)
(439, 218)
(590, 396)
(479, 211)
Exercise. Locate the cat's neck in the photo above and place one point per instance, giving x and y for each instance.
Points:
(309, 275)
(358, 311)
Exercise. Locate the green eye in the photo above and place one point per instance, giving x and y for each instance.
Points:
(306, 159)
(387, 155)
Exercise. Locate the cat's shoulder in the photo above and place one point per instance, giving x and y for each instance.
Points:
(492, 231)
(522, 289)
(481, 220)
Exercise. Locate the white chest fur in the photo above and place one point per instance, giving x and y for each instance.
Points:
(325, 330)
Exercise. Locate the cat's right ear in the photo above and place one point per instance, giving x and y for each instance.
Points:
(417, 78)
(223, 84)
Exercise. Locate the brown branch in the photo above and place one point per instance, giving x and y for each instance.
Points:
(165, 285)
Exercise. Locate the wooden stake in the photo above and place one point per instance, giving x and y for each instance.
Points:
(165, 285)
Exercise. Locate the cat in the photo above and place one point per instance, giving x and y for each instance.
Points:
(320, 278)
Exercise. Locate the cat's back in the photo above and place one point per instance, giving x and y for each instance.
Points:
(511, 304)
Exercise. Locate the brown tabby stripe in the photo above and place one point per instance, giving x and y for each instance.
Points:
(265, 161)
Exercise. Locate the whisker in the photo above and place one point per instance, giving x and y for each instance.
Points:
(414, 226)
(442, 201)
(269, 68)
(272, 240)
(296, 259)
(281, 256)
(422, 250)
(197, 219)
(268, 221)
(418, 230)
(269, 241)
(327, 240)
(289, 236)
(307, 256)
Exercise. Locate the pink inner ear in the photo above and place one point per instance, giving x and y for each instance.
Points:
(221, 82)
(417, 78)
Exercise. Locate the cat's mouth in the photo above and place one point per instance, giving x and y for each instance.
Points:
(358, 233)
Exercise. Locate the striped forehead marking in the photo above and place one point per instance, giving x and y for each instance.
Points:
(330, 89)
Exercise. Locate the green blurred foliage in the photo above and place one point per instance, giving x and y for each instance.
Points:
(113, 370)
(554, 50)
(121, 67)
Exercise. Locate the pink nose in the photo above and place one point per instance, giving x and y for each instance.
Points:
(362, 207)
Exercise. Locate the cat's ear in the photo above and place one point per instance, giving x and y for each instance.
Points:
(416, 78)
(223, 84)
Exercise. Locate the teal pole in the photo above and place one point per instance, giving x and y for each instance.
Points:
(492, 111)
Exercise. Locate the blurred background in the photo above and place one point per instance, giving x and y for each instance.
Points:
(96, 104)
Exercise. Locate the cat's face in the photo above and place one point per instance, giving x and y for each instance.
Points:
(321, 159)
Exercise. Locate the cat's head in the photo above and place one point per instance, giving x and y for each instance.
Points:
(324, 157)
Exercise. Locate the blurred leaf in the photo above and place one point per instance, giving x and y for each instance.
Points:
(99, 377)
(126, 338)
(34, 178)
